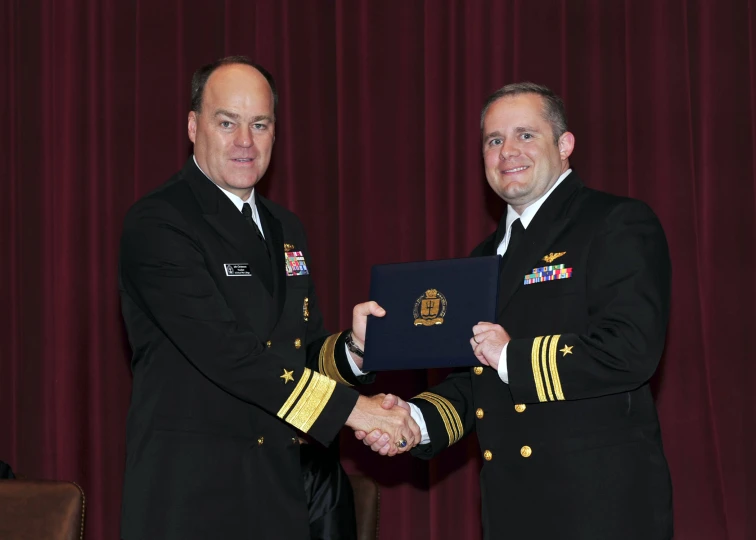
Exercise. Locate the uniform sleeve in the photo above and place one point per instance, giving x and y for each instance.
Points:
(628, 290)
(164, 271)
(447, 409)
(332, 362)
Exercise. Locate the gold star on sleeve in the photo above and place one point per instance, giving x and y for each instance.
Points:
(567, 349)
(288, 376)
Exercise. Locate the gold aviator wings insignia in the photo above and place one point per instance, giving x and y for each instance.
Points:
(551, 257)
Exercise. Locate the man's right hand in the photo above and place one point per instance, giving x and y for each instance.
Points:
(379, 441)
(386, 423)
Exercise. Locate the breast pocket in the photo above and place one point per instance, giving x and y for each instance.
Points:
(297, 296)
(555, 306)
(297, 283)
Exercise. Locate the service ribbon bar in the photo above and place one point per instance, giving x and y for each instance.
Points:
(295, 264)
(548, 273)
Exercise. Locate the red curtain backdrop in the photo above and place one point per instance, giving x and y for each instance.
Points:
(378, 151)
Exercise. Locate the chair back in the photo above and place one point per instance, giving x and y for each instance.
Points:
(35, 509)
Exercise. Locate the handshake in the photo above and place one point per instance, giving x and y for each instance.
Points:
(383, 422)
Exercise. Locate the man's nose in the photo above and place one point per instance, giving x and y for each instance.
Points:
(509, 149)
(244, 138)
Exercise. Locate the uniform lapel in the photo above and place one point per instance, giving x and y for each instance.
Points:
(488, 247)
(221, 214)
(548, 223)
(274, 236)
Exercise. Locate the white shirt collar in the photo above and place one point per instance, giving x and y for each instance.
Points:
(528, 214)
(238, 202)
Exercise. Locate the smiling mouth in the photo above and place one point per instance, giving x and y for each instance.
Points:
(243, 160)
(515, 170)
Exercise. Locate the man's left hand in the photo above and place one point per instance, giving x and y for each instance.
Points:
(359, 324)
(487, 342)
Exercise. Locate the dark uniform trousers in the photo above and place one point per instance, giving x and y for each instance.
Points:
(571, 446)
(231, 365)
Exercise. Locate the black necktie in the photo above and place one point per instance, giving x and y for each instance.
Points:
(514, 239)
(247, 212)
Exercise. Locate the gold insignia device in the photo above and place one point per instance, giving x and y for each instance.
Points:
(287, 376)
(430, 308)
(551, 257)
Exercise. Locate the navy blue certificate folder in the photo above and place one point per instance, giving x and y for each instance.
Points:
(431, 307)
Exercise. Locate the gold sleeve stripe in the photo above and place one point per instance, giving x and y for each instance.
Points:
(449, 415)
(450, 432)
(553, 367)
(545, 365)
(295, 393)
(454, 421)
(534, 361)
(453, 415)
(543, 359)
(311, 404)
(327, 360)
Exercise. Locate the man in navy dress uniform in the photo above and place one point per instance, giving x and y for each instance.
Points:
(561, 403)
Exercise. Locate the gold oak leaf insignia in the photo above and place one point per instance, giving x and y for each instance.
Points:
(288, 376)
(551, 257)
(566, 350)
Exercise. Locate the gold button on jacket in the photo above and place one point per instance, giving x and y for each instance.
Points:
(526, 451)
(260, 441)
(297, 343)
(479, 413)
(478, 370)
(520, 407)
(488, 455)
(268, 344)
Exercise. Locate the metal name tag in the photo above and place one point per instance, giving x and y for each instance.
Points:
(237, 269)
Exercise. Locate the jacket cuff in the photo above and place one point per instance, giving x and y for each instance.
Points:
(442, 420)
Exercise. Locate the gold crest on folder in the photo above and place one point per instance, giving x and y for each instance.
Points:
(430, 308)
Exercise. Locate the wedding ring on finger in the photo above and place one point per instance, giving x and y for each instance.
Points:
(401, 443)
(475, 340)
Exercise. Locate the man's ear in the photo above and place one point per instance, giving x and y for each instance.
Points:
(566, 145)
(192, 126)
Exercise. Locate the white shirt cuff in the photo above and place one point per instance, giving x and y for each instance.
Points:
(417, 416)
(503, 373)
(354, 367)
